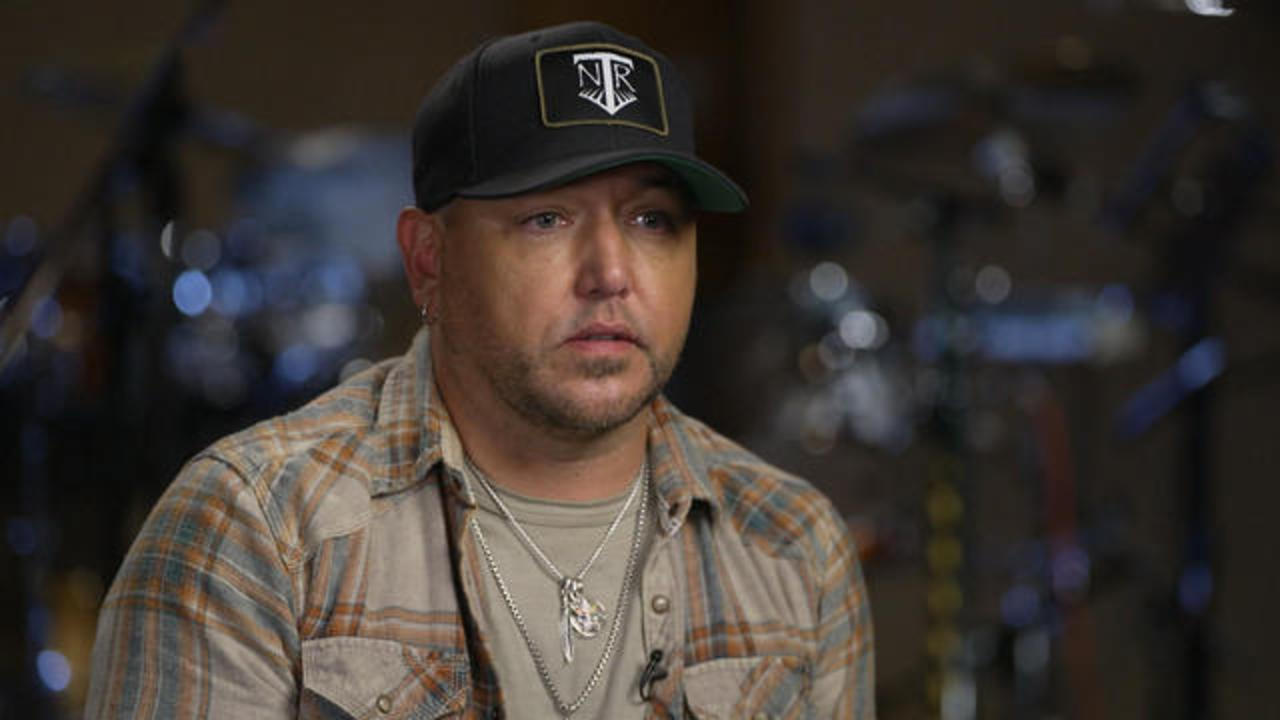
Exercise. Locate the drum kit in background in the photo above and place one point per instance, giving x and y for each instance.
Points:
(972, 373)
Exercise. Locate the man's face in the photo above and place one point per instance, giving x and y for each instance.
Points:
(569, 305)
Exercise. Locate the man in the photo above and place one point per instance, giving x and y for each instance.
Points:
(510, 520)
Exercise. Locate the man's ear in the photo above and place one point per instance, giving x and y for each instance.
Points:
(419, 235)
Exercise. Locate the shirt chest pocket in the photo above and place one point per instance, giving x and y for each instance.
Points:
(351, 678)
(749, 688)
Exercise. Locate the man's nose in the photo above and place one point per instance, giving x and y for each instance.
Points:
(604, 262)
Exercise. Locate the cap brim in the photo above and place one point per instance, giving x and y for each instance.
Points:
(711, 189)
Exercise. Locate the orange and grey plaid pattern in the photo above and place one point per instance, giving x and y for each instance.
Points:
(316, 565)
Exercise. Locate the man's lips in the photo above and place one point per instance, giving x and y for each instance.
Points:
(604, 333)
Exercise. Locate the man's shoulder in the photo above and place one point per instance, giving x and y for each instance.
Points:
(334, 434)
(763, 502)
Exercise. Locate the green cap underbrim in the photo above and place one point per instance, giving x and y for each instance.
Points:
(710, 188)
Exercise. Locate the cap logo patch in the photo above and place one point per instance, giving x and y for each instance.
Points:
(600, 84)
(604, 78)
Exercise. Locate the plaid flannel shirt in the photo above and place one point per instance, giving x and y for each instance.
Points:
(316, 565)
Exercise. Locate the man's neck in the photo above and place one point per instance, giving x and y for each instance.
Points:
(533, 460)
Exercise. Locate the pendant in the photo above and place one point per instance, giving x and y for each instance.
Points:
(578, 614)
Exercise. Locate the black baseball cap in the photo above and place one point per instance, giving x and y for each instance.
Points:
(536, 110)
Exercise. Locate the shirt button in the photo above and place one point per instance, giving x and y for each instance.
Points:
(384, 704)
(660, 604)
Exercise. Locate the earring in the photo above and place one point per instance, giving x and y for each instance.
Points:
(428, 313)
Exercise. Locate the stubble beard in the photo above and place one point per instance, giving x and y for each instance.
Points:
(533, 382)
(517, 380)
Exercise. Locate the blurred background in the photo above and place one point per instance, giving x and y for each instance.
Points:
(1007, 293)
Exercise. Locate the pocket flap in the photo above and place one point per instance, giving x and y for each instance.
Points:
(774, 686)
(372, 678)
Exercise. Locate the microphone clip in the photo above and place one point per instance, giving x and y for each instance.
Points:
(653, 672)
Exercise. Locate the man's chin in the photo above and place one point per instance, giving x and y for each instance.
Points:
(590, 407)
(602, 414)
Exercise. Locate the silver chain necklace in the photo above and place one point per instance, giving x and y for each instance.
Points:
(569, 588)
(578, 613)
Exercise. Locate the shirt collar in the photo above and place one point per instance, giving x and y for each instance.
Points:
(679, 471)
(407, 421)
(419, 434)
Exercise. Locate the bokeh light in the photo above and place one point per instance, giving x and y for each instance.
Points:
(828, 281)
(993, 284)
(296, 364)
(330, 325)
(192, 293)
(201, 250)
(53, 669)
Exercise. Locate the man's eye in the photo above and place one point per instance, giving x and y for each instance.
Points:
(543, 220)
(655, 220)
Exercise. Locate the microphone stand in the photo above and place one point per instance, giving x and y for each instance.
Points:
(154, 116)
